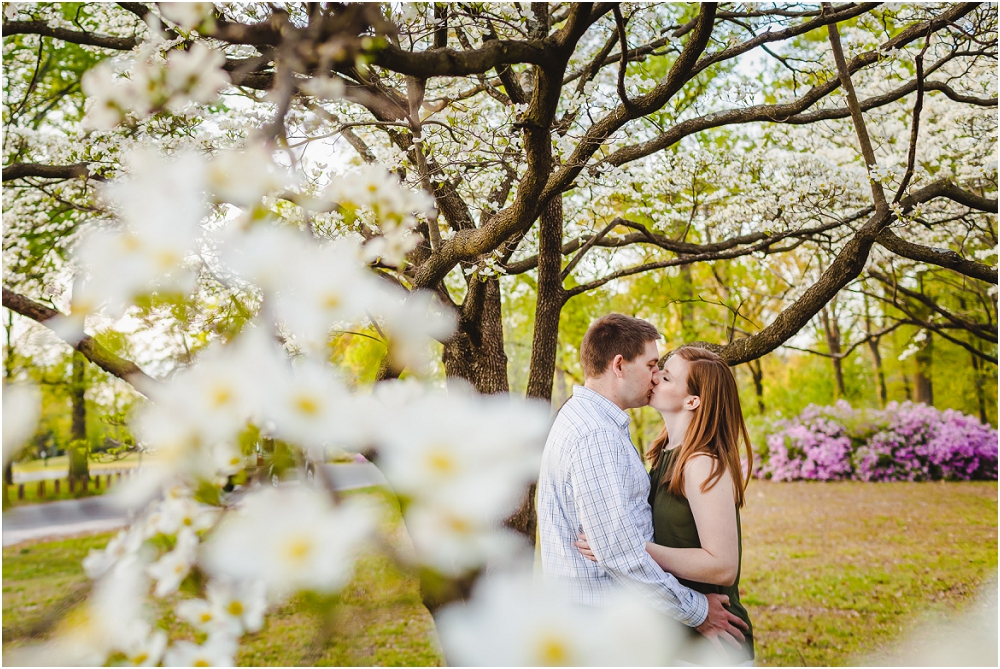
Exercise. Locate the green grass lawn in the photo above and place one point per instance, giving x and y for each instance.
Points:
(832, 573)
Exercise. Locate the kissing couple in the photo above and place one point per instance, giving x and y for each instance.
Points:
(673, 532)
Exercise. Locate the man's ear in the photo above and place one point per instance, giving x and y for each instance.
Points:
(692, 402)
(616, 366)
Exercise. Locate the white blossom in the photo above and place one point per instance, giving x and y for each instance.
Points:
(21, 406)
(173, 567)
(218, 651)
(289, 539)
(187, 15)
(516, 621)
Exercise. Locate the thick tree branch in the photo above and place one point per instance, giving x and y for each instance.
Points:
(936, 256)
(88, 346)
(987, 331)
(22, 170)
(453, 63)
(43, 29)
(860, 128)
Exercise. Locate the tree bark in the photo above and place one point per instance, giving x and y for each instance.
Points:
(828, 316)
(980, 380)
(757, 372)
(688, 332)
(549, 303)
(923, 382)
(475, 353)
(88, 346)
(545, 338)
(873, 347)
(77, 450)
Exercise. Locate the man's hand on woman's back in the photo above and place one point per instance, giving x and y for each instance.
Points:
(721, 625)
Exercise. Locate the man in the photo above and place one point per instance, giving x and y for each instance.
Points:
(593, 482)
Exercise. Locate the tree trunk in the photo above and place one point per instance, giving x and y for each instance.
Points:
(545, 338)
(828, 317)
(688, 332)
(550, 301)
(475, 353)
(873, 347)
(757, 372)
(77, 450)
(883, 395)
(980, 380)
(923, 383)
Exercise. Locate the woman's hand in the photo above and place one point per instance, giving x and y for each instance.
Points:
(584, 548)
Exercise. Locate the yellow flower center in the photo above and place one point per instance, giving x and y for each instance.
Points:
(235, 609)
(552, 652)
(201, 663)
(221, 395)
(206, 616)
(167, 259)
(441, 462)
(307, 405)
(459, 525)
(331, 300)
(298, 549)
(140, 658)
(130, 242)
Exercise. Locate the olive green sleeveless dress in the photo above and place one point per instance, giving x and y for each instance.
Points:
(674, 526)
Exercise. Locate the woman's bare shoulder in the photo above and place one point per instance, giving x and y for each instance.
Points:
(700, 466)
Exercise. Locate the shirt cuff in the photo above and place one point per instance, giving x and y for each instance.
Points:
(700, 613)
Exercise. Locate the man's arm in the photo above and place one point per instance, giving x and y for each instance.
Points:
(599, 471)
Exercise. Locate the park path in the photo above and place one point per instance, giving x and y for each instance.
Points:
(101, 514)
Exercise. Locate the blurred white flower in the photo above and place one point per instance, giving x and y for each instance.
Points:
(195, 75)
(323, 88)
(187, 15)
(196, 416)
(312, 407)
(180, 513)
(161, 205)
(326, 287)
(414, 324)
(173, 567)
(289, 539)
(523, 621)
(261, 254)
(218, 651)
(239, 606)
(457, 537)
(145, 650)
(110, 620)
(244, 177)
(198, 613)
(126, 543)
(21, 406)
(465, 441)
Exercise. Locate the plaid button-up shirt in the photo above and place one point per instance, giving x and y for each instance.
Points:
(593, 480)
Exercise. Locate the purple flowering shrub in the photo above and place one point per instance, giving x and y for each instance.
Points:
(903, 442)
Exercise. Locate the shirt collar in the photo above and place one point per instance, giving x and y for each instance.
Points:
(608, 408)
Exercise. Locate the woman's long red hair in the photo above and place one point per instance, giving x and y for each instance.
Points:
(717, 427)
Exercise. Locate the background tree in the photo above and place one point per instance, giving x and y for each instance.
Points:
(579, 144)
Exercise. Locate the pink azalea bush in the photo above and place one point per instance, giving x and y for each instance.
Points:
(903, 442)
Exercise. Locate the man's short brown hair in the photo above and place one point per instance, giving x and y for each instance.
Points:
(611, 335)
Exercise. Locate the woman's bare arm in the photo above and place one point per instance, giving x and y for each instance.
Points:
(718, 559)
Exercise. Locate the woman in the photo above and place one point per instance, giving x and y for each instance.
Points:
(697, 480)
